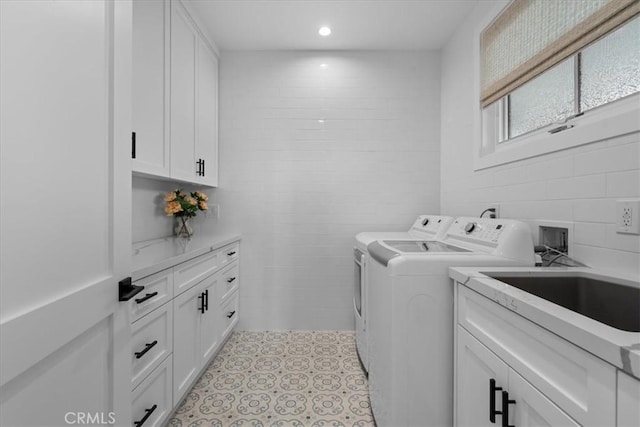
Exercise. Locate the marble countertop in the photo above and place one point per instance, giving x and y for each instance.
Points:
(617, 347)
(152, 256)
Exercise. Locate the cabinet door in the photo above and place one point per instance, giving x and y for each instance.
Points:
(187, 313)
(150, 54)
(531, 408)
(476, 365)
(65, 204)
(184, 44)
(210, 327)
(207, 94)
(628, 400)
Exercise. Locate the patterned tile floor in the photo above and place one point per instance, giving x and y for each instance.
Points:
(281, 379)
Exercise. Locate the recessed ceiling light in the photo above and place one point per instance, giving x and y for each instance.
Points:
(324, 66)
(324, 31)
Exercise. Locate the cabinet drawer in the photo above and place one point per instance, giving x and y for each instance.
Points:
(229, 314)
(158, 289)
(152, 398)
(229, 253)
(229, 281)
(191, 272)
(151, 342)
(578, 382)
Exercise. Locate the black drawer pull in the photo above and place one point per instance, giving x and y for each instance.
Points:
(147, 414)
(231, 279)
(505, 409)
(146, 297)
(231, 253)
(231, 313)
(492, 400)
(148, 347)
(206, 300)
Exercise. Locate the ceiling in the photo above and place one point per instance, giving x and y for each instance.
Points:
(355, 24)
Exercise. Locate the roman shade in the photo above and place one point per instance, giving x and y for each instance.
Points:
(531, 36)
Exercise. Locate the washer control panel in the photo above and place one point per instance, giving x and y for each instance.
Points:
(432, 225)
(479, 229)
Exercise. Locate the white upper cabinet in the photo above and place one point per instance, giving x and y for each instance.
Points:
(184, 44)
(150, 150)
(175, 96)
(207, 119)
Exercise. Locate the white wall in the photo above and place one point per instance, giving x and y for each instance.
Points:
(299, 190)
(578, 185)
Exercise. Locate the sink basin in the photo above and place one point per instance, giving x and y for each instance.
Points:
(611, 303)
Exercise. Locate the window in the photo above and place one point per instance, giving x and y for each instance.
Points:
(527, 107)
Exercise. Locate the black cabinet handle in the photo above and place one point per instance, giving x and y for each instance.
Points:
(231, 253)
(206, 300)
(231, 279)
(492, 400)
(126, 290)
(199, 171)
(133, 145)
(147, 414)
(230, 315)
(146, 297)
(202, 305)
(505, 409)
(203, 168)
(147, 347)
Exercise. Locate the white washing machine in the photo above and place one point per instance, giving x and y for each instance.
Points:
(410, 315)
(426, 227)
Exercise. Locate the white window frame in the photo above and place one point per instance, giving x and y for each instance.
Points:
(608, 121)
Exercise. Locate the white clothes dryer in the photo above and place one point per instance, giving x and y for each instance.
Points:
(410, 315)
(425, 227)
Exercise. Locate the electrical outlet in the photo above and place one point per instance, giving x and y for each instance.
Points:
(497, 209)
(628, 216)
(213, 211)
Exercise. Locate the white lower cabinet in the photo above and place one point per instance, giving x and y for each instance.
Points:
(151, 342)
(511, 372)
(174, 342)
(628, 398)
(197, 333)
(476, 367)
(186, 340)
(152, 400)
(491, 393)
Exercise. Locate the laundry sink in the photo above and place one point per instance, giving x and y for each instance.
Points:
(608, 302)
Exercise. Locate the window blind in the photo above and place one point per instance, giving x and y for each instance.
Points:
(531, 36)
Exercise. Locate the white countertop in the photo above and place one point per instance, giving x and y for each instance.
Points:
(152, 256)
(617, 347)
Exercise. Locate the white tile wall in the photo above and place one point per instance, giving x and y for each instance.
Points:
(310, 156)
(579, 185)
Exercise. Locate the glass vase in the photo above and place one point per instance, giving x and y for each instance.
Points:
(183, 227)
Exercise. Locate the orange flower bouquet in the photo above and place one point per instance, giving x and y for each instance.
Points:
(184, 206)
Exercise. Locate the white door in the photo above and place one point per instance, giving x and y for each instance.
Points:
(210, 326)
(65, 214)
(530, 408)
(476, 366)
(183, 90)
(207, 137)
(150, 87)
(187, 313)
